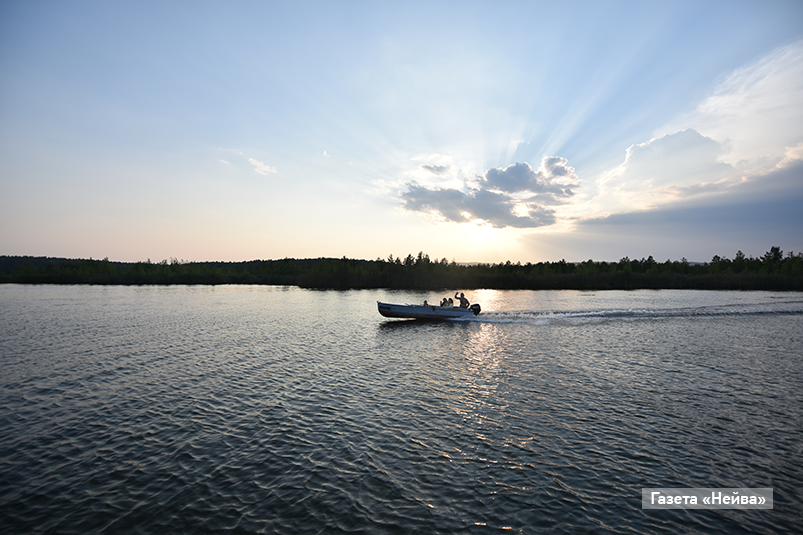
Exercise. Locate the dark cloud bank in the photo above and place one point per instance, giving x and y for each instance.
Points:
(771, 202)
(750, 216)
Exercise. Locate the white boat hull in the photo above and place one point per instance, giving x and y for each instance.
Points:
(426, 312)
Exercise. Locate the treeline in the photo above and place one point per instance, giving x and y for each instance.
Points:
(772, 271)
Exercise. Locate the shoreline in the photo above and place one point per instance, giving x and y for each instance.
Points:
(771, 272)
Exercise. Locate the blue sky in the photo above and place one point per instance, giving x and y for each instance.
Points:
(484, 131)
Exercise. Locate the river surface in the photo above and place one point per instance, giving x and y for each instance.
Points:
(260, 409)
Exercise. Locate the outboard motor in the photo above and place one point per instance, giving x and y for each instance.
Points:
(475, 308)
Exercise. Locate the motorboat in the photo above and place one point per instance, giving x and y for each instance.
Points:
(426, 312)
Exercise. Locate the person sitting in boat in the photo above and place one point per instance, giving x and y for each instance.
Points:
(450, 304)
(445, 302)
(463, 300)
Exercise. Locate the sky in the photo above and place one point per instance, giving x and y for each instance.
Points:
(471, 131)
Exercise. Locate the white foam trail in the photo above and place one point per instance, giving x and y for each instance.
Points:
(580, 316)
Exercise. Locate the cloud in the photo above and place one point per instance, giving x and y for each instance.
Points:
(450, 203)
(516, 177)
(746, 128)
(261, 168)
(792, 156)
(694, 190)
(436, 169)
(497, 209)
(682, 164)
(758, 108)
(224, 161)
(516, 196)
(728, 175)
(756, 213)
(553, 177)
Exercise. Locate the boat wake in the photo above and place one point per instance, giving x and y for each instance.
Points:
(596, 316)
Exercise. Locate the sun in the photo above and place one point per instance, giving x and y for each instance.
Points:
(481, 234)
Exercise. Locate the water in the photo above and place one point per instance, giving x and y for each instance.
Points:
(253, 409)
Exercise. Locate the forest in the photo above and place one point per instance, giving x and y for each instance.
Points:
(772, 271)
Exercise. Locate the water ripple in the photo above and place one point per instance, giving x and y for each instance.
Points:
(274, 410)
